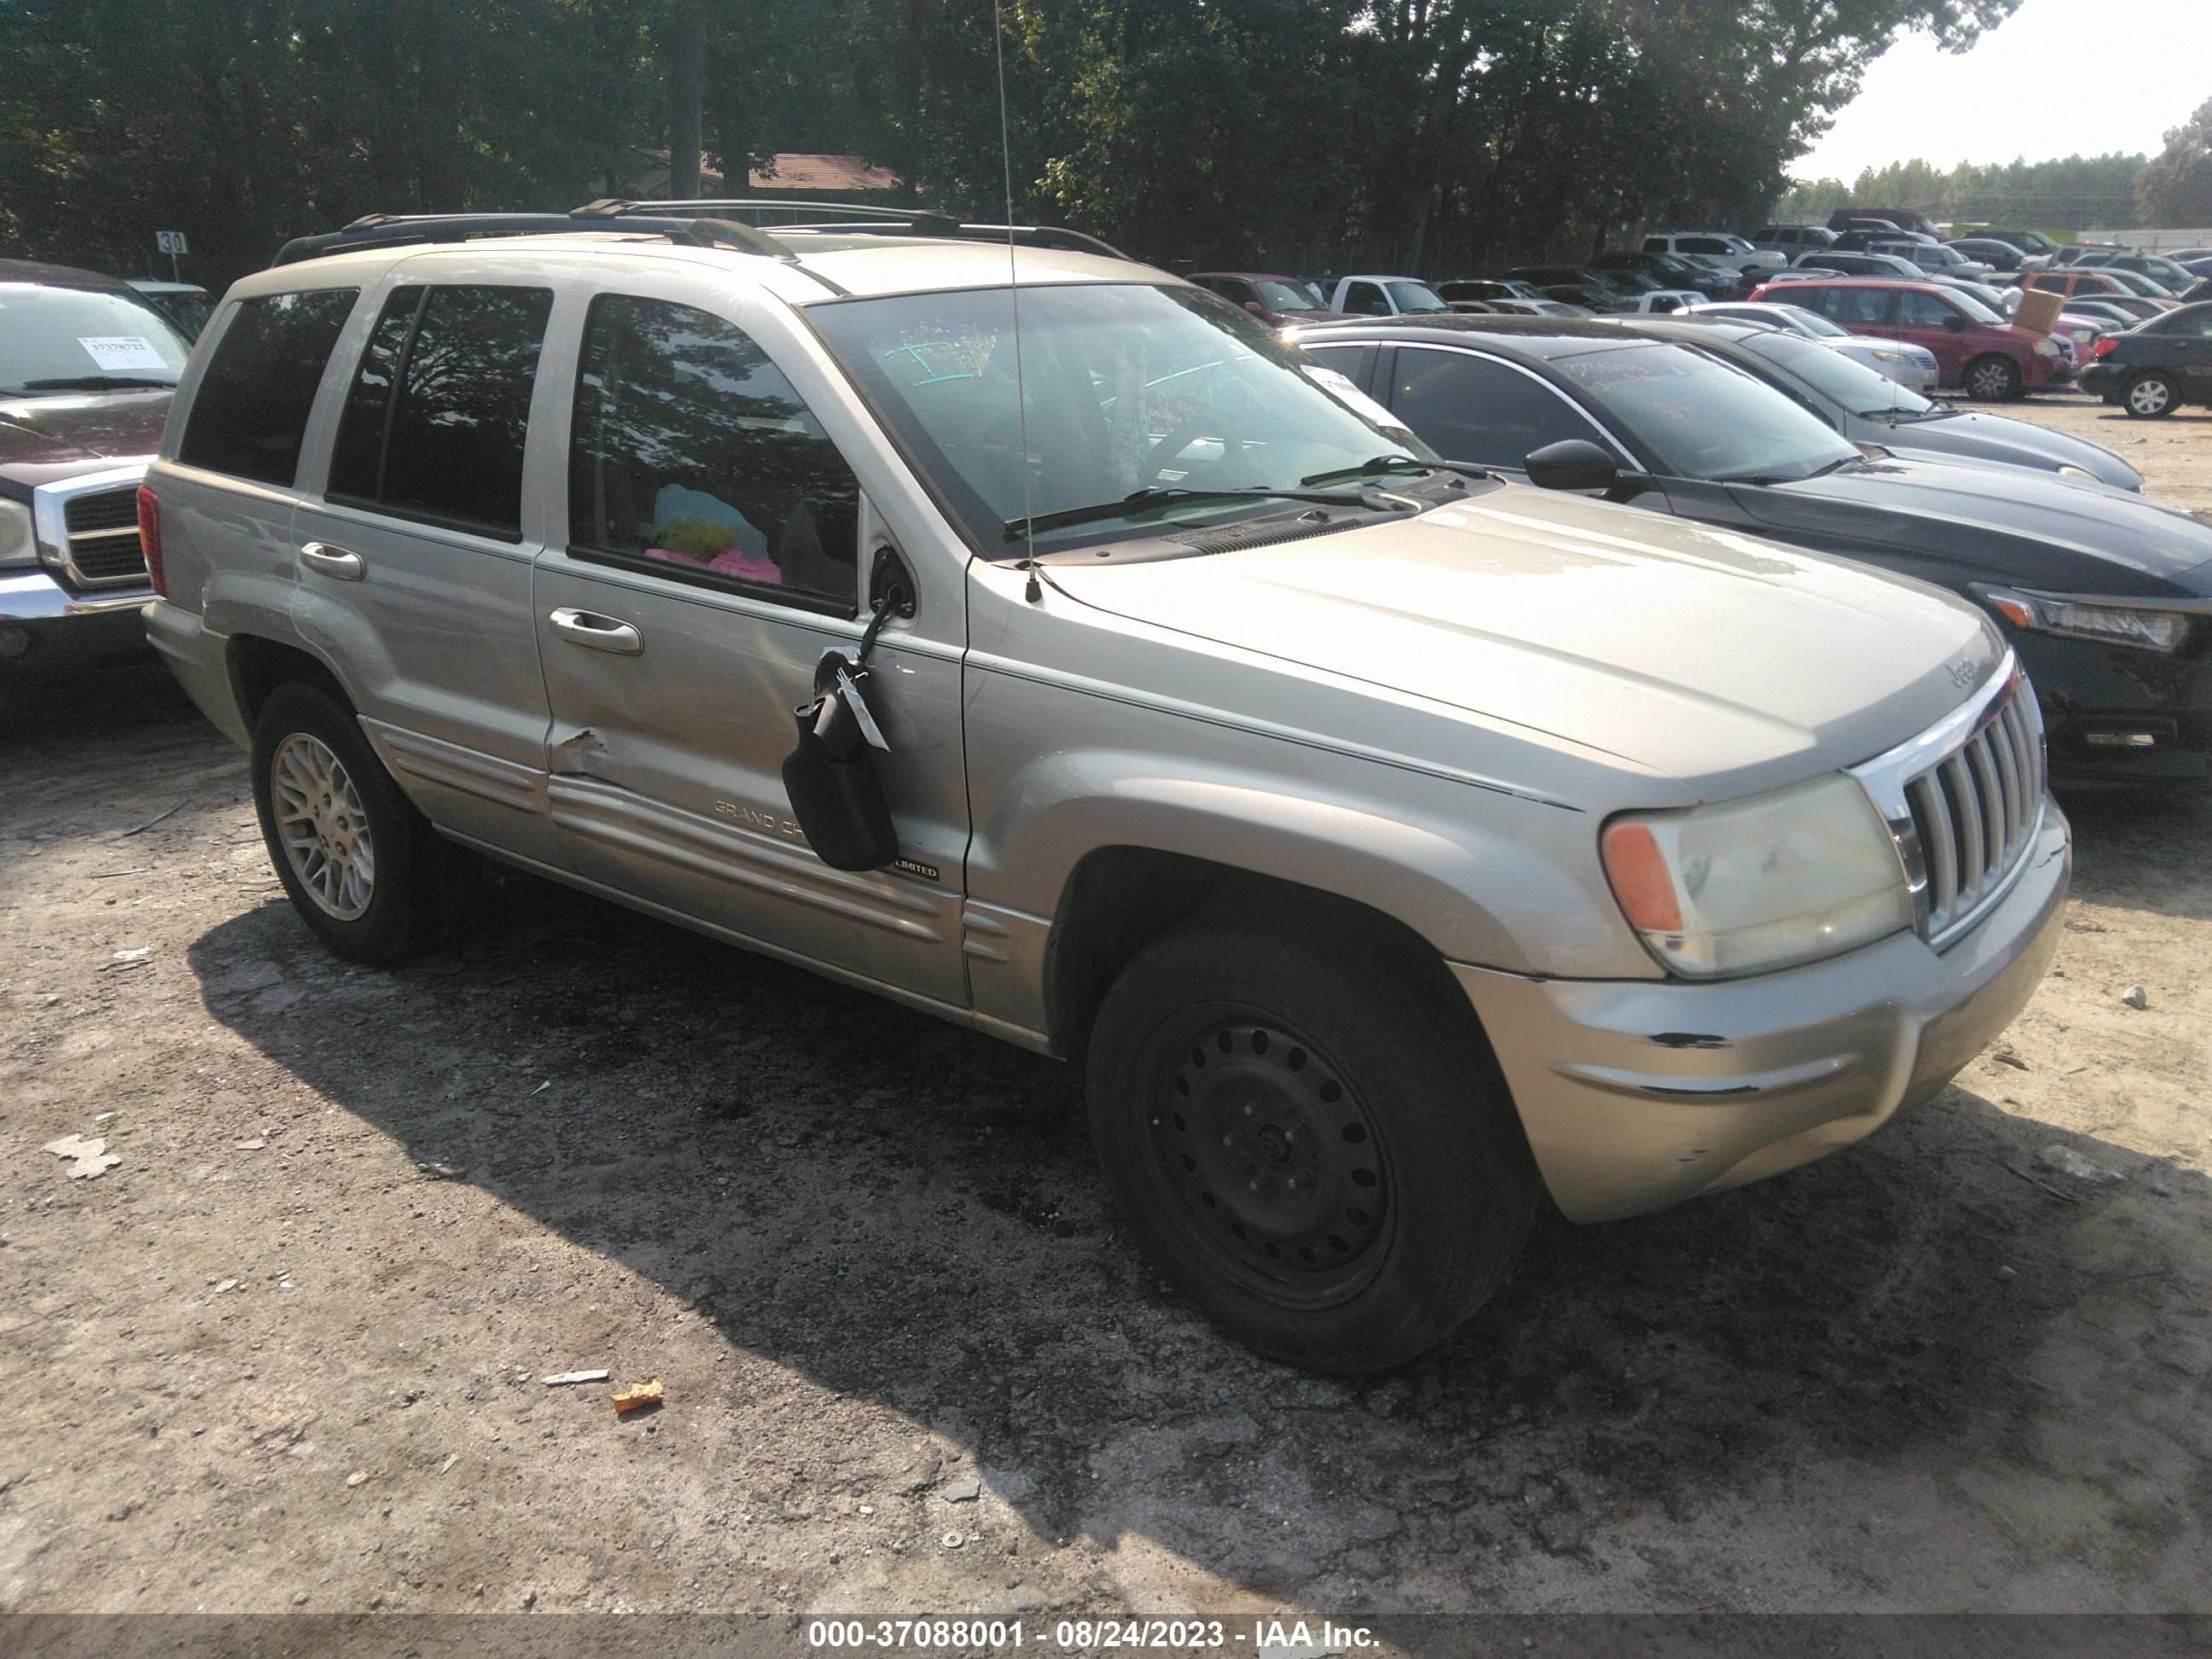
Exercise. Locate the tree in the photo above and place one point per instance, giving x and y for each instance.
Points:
(2176, 188)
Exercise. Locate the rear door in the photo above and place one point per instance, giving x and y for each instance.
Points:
(723, 531)
(414, 571)
(2189, 336)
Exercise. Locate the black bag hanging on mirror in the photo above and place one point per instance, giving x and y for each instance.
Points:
(836, 795)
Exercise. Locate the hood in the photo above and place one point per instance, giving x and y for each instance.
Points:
(1725, 662)
(2062, 535)
(42, 438)
(1971, 433)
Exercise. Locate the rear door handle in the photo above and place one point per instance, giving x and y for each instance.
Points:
(588, 627)
(331, 561)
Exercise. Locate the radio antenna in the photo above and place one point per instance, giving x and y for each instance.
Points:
(1034, 592)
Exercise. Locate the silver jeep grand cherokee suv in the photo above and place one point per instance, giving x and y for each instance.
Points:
(1396, 847)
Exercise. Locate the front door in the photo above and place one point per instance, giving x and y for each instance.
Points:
(719, 541)
(1926, 319)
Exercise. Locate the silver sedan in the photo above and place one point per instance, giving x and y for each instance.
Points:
(1912, 367)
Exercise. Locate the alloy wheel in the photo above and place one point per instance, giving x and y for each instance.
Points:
(2150, 396)
(323, 826)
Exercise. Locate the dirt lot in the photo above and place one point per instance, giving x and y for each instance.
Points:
(286, 1354)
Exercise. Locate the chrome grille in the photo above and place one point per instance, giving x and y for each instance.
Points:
(1963, 801)
(102, 548)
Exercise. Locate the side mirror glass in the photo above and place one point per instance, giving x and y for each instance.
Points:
(1570, 464)
(1955, 322)
(1256, 307)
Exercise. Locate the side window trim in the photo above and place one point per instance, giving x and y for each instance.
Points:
(1622, 452)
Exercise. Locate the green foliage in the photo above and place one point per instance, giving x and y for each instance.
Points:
(2176, 186)
(1435, 135)
(2080, 192)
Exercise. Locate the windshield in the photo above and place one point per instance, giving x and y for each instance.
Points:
(1415, 296)
(1975, 308)
(1283, 296)
(1812, 322)
(1702, 419)
(1124, 387)
(79, 339)
(1839, 379)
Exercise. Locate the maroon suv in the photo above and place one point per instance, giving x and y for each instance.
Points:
(1277, 302)
(86, 371)
(1993, 357)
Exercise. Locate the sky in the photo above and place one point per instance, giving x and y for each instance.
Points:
(2058, 77)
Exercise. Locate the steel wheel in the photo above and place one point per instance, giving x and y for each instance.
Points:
(2150, 397)
(1274, 1161)
(323, 826)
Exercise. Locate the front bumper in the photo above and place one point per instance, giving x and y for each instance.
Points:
(43, 625)
(1635, 1094)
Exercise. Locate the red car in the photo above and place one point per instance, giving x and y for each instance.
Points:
(1277, 302)
(1988, 353)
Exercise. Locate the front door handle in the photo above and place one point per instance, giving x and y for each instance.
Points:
(588, 627)
(331, 561)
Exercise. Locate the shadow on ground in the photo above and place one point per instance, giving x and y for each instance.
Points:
(903, 1211)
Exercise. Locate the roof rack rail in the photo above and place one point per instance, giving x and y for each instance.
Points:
(867, 219)
(394, 230)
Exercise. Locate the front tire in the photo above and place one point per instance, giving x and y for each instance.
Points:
(1314, 1148)
(2151, 397)
(1993, 380)
(357, 860)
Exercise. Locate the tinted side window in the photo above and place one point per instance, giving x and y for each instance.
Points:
(460, 412)
(1860, 305)
(357, 461)
(693, 456)
(251, 409)
(1365, 299)
(1473, 409)
(1923, 311)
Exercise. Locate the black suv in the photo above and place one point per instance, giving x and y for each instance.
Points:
(2157, 366)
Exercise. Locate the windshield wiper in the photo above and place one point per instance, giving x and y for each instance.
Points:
(1765, 480)
(1366, 468)
(95, 383)
(1137, 500)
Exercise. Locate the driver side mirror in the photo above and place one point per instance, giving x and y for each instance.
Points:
(1256, 307)
(1955, 322)
(1571, 463)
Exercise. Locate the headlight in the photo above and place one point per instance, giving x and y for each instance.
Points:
(1759, 884)
(1891, 357)
(2047, 347)
(2116, 624)
(2076, 472)
(17, 545)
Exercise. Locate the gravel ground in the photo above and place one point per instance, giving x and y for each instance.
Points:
(288, 1355)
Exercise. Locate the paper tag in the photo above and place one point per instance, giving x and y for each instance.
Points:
(861, 714)
(122, 351)
(1340, 387)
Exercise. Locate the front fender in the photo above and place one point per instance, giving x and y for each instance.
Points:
(1481, 876)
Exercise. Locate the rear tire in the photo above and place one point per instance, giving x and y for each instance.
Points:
(1993, 380)
(359, 863)
(1315, 1149)
(2152, 396)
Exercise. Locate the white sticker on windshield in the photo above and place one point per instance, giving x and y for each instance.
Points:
(122, 351)
(1340, 387)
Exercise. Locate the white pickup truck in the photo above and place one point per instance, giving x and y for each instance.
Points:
(1383, 296)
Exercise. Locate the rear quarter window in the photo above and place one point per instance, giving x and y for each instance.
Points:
(251, 411)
